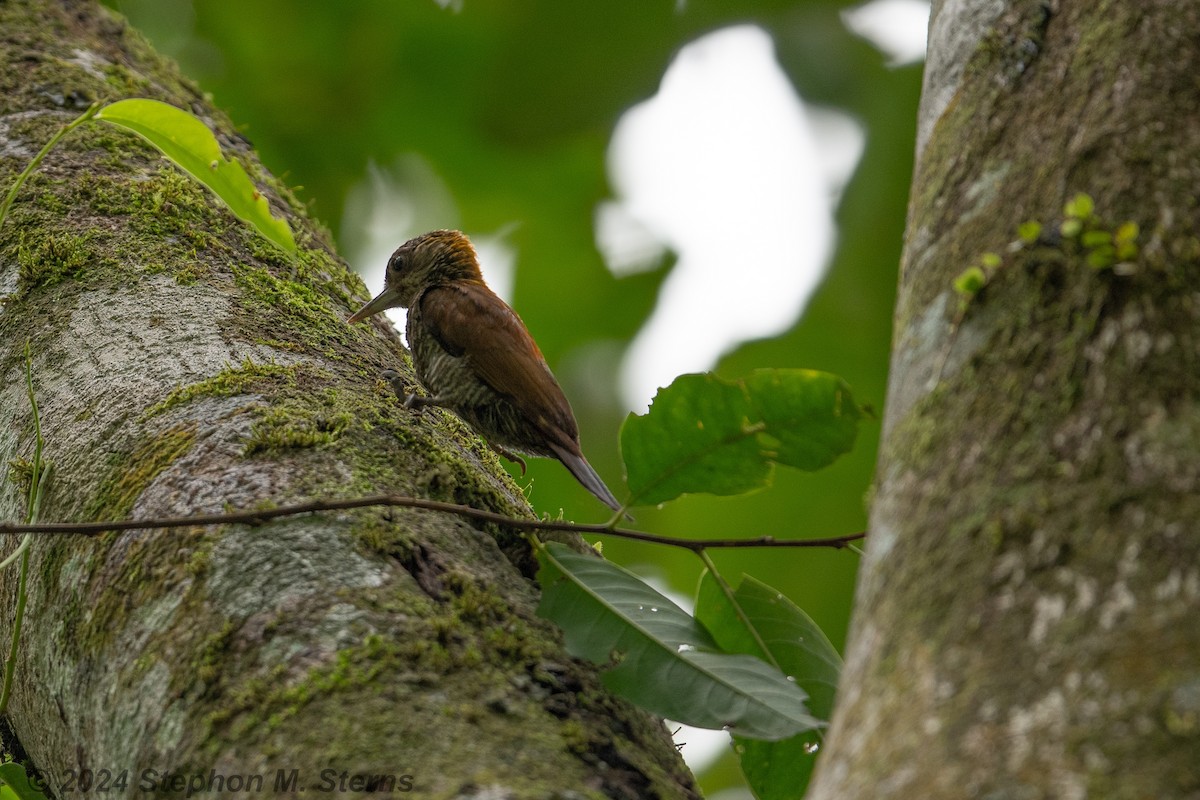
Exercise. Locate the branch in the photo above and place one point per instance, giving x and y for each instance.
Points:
(260, 516)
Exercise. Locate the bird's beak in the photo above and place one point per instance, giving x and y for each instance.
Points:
(384, 300)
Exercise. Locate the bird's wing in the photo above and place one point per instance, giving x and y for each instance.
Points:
(471, 322)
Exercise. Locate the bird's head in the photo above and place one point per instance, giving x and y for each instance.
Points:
(431, 259)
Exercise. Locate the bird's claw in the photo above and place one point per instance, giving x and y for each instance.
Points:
(407, 399)
(393, 378)
(513, 457)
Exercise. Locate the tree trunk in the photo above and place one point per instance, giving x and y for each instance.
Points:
(182, 365)
(1028, 607)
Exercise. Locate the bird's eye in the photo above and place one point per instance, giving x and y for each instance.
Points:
(396, 263)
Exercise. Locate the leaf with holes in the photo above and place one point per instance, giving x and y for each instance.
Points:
(706, 434)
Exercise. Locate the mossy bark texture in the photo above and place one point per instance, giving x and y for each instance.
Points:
(182, 365)
(1028, 607)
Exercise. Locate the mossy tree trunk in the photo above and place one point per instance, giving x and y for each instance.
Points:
(1030, 597)
(182, 365)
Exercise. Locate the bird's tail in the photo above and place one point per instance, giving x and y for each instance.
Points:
(583, 472)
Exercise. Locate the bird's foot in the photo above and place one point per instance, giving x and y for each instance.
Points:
(414, 401)
(406, 398)
(397, 383)
(513, 457)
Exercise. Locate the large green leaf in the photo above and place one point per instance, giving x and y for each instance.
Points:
(190, 144)
(705, 434)
(15, 784)
(777, 770)
(660, 657)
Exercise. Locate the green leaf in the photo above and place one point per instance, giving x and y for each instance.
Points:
(792, 638)
(188, 142)
(659, 656)
(1126, 241)
(1127, 233)
(1029, 231)
(775, 770)
(706, 434)
(1070, 228)
(1080, 206)
(16, 783)
(1102, 257)
(970, 281)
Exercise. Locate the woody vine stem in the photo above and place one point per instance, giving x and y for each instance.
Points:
(260, 516)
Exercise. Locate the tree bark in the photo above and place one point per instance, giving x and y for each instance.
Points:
(1028, 604)
(182, 365)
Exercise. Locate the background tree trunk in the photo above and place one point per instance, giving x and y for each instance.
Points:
(1028, 606)
(182, 365)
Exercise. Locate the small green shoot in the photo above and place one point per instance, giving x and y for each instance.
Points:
(39, 473)
(37, 160)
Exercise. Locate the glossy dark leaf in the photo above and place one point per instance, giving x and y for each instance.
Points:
(658, 656)
(777, 770)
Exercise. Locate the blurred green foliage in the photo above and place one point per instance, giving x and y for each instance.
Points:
(512, 104)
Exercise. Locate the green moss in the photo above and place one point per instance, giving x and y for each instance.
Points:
(294, 309)
(48, 260)
(272, 700)
(129, 475)
(280, 344)
(20, 472)
(246, 697)
(474, 603)
(198, 562)
(166, 211)
(125, 82)
(297, 424)
(576, 737)
(470, 628)
(228, 382)
(189, 273)
(211, 653)
(290, 419)
(165, 205)
(53, 202)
